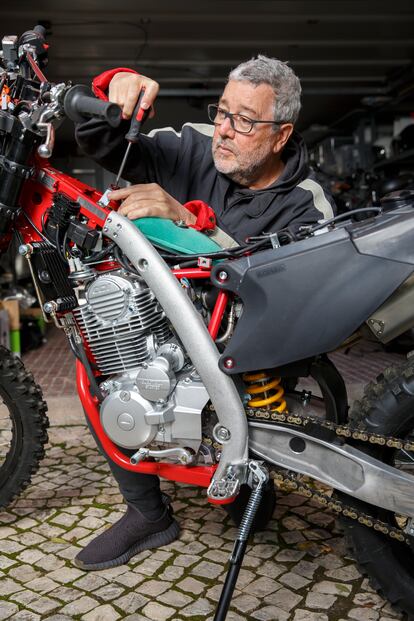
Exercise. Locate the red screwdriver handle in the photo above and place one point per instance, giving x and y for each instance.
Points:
(137, 120)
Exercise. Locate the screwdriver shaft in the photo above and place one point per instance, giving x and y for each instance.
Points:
(121, 168)
(132, 136)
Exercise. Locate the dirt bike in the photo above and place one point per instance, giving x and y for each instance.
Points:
(189, 354)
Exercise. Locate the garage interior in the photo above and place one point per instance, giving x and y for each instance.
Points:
(355, 60)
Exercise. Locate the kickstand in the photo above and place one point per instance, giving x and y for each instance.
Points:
(260, 477)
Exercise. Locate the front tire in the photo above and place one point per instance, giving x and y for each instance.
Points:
(386, 408)
(23, 425)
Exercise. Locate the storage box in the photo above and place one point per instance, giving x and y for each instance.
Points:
(4, 328)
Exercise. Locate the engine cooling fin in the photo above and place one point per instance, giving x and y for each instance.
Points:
(122, 322)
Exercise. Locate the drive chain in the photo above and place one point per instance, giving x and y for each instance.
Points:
(343, 431)
(293, 481)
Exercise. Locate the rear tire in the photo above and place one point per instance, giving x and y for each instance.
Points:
(23, 425)
(386, 408)
(265, 511)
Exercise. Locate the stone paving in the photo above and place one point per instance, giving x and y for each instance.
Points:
(297, 569)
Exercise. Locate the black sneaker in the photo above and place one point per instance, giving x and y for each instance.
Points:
(130, 535)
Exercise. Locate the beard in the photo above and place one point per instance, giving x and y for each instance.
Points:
(242, 167)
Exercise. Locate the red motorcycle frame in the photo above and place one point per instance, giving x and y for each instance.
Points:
(36, 199)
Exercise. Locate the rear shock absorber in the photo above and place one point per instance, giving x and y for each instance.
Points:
(265, 391)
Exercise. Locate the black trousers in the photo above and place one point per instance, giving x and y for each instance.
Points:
(141, 490)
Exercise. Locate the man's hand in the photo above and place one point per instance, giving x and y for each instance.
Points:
(124, 90)
(148, 200)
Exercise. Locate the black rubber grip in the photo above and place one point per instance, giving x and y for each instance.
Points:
(36, 39)
(80, 105)
(40, 31)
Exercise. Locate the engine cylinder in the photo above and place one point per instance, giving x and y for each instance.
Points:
(122, 322)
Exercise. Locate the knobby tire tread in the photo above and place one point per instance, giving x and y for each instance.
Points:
(387, 407)
(28, 410)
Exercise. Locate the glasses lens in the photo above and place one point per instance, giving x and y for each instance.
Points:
(212, 110)
(242, 124)
(239, 123)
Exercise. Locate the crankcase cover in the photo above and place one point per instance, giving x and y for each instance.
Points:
(123, 419)
(155, 380)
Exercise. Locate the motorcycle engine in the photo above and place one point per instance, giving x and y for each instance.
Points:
(153, 395)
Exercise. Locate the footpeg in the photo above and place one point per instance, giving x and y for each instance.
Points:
(180, 454)
(225, 489)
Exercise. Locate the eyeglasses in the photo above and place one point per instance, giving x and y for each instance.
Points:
(240, 123)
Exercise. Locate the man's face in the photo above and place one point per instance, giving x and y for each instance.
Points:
(243, 157)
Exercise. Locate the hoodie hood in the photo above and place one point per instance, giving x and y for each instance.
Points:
(295, 157)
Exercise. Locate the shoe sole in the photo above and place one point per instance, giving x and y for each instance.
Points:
(152, 541)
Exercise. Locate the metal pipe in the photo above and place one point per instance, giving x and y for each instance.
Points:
(192, 332)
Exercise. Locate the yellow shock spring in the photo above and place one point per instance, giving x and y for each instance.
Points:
(268, 388)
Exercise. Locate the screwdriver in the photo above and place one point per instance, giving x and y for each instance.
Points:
(132, 137)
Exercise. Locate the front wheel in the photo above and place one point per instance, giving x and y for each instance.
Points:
(23, 425)
(386, 408)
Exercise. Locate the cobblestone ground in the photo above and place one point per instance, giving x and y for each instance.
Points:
(298, 569)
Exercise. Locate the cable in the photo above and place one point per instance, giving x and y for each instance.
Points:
(65, 245)
(80, 353)
(344, 216)
(123, 261)
(97, 256)
(184, 264)
(32, 224)
(226, 253)
(58, 246)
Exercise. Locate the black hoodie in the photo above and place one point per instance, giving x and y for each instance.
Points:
(182, 164)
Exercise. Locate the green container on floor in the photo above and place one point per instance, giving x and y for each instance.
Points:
(15, 342)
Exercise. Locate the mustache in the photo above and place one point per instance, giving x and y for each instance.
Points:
(225, 143)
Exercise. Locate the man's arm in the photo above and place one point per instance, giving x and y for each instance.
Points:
(152, 161)
(149, 159)
(150, 200)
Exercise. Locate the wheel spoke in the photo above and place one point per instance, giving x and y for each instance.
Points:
(408, 455)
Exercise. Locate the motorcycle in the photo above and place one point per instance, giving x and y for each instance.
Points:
(188, 354)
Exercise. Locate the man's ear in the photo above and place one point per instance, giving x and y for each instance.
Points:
(283, 135)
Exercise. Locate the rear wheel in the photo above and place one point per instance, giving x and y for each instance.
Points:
(386, 408)
(264, 512)
(23, 425)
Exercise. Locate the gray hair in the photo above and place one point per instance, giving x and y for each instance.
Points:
(284, 82)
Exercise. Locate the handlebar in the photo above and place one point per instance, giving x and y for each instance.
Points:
(80, 105)
(35, 38)
(40, 30)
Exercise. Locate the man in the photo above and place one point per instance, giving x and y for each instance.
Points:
(249, 175)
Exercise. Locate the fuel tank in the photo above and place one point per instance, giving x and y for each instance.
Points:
(171, 236)
(306, 298)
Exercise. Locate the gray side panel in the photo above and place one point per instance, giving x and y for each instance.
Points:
(304, 299)
(391, 236)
